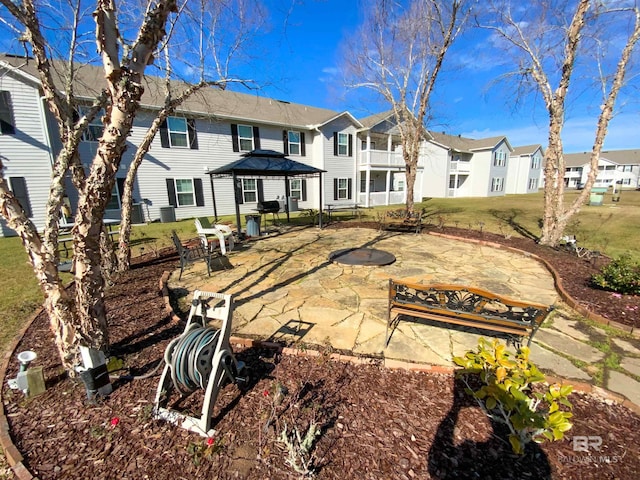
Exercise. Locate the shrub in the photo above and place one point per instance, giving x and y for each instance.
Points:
(622, 275)
(505, 394)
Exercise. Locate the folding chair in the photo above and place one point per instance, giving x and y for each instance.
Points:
(189, 252)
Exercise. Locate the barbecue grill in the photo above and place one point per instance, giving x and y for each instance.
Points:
(269, 206)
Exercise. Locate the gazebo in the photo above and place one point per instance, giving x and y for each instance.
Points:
(261, 164)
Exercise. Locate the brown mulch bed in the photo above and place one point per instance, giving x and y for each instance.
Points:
(374, 423)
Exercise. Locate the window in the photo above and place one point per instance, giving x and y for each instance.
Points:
(497, 184)
(533, 184)
(400, 186)
(7, 127)
(372, 145)
(184, 192)
(535, 162)
(294, 143)
(245, 137)
(343, 144)
(178, 132)
(627, 168)
(249, 190)
(114, 202)
(343, 189)
(499, 158)
(18, 186)
(297, 189)
(95, 129)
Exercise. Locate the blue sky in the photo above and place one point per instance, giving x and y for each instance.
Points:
(306, 58)
(298, 59)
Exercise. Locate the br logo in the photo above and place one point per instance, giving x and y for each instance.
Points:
(584, 443)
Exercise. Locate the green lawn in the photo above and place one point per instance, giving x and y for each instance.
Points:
(613, 228)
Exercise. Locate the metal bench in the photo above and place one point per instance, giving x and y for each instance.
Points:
(466, 306)
(402, 220)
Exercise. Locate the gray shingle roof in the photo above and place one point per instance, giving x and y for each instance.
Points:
(208, 102)
(376, 118)
(621, 157)
(525, 150)
(463, 144)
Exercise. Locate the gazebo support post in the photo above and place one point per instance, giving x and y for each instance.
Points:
(320, 198)
(286, 197)
(235, 198)
(213, 195)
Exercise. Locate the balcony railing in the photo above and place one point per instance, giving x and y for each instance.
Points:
(460, 167)
(381, 158)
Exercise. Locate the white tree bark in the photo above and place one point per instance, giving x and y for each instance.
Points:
(540, 55)
(82, 320)
(399, 54)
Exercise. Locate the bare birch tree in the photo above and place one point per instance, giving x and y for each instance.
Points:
(398, 54)
(125, 51)
(547, 40)
(213, 57)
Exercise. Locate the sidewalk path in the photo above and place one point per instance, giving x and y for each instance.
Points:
(285, 288)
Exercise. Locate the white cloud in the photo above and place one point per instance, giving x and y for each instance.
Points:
(329, 74)
(578, 134)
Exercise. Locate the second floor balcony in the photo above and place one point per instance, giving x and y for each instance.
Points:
(460, 166)
(383, 158)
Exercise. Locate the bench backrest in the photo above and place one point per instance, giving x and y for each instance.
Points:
(402, 214)
(204, 222)
(466, 302)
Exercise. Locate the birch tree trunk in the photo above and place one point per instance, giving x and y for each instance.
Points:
(399, 54)
(540, 56)
(82, 320)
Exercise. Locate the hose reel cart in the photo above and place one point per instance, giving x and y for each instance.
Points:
(201, 357)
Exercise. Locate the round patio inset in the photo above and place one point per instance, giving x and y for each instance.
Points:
(362, 256)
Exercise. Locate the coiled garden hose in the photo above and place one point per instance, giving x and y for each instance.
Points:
(190, 357)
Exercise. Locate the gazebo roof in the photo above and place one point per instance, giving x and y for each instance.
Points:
(265, 163)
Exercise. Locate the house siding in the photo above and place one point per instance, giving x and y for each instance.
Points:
(436, 170)
(27, 152)
(215, 149)
(338, 166)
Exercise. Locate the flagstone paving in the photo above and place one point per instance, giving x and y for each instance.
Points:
(286, 289)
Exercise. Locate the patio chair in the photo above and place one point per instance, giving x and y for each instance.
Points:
(223, 233)
(191, 251)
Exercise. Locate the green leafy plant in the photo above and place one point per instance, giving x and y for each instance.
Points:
(505, 393)
(622, 275)
(204, 450)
